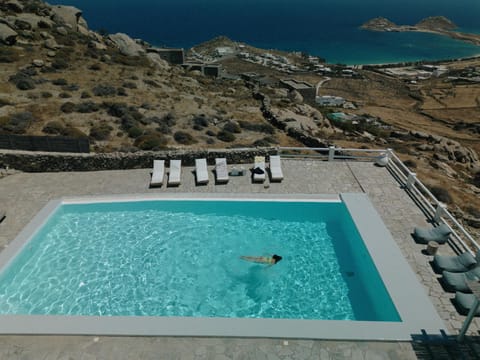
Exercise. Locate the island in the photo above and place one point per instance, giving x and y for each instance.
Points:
(433, 24)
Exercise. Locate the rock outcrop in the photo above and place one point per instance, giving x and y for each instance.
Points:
(436, 23)
(8, 36)
(126, 45)
(69, 15)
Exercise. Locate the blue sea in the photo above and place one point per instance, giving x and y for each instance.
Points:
(325, 28)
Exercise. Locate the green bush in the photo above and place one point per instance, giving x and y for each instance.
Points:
(264, 128)
(18, 123)
(184, 138)
(46, 94)
(225, 136)
(87, 107)
(60, 64)
(64, 95)
(54, 128)
(232, 127)
(59, 82)
(74, 132)
(135, 132)
(100, 131)
(104, 90)
(67, 107)
(150, 142)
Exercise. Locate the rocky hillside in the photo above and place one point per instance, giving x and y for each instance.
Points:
(436, 23)
(60, 78)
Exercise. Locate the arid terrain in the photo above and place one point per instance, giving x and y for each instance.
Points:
(59, 78)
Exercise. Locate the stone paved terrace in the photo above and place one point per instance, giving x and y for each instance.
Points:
(24, 194)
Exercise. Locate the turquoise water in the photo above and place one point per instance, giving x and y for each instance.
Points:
(326, 28)
(182, 258)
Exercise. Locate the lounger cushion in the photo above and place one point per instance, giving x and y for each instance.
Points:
(460, 263)
(439, 234)
(175, 172)
(201, 171)
(464, 303)
(158, 173)
(457, 281)
(276, 168)
(221, 170)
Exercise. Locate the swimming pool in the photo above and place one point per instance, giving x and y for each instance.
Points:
(176, 261)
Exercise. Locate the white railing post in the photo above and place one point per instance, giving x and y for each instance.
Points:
(331, 153)
(439, 212)
(412, 178)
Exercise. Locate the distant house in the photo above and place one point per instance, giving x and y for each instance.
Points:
(329, 100)
(305, 89)
(224, 50)
(213, 70)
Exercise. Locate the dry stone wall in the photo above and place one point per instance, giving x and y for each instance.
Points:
(55, 162)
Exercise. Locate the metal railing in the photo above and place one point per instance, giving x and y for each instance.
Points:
(431, 206)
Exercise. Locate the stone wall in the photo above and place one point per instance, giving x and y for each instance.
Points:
(53, 162)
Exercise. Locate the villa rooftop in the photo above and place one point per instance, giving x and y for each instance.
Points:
(24, 194)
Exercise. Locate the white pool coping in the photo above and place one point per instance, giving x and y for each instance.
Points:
(410, 298)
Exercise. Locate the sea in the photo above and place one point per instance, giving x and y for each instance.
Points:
(326, 28)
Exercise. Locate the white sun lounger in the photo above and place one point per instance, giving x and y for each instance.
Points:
(201, 171)
(221, 170)
(276, 168)
(157, 173)
(259, 169)
(175, 172)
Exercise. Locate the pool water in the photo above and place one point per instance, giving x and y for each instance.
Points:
(182, 258)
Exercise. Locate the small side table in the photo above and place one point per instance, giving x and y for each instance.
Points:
(432, 247)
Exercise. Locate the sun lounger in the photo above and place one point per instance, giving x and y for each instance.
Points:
(464, 302)
(459, 263)
(201, 171)
(221, 170)
(458, 281)
(439, 234)
(157, 173)
(276, 168)
(175, 172)
(259, 169)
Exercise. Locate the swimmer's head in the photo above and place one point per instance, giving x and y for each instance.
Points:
(277, 258)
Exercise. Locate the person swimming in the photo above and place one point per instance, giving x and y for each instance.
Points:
(269, 260)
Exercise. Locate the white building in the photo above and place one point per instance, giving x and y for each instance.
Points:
(329, 100)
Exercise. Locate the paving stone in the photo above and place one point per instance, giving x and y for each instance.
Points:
(396, 208)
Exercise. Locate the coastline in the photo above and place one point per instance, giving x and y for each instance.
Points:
(439, 25)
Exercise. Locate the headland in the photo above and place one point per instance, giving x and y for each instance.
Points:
(435, 24)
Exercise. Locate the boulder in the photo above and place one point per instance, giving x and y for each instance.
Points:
(61, 30)
(425, 147)
(126, 44)
(68, 15)
(97, 45)
(295, 97)
(7, 35)
(34, 20)
(14, 5)
(38, 62)
(156, 60)
(51, 44)
(22, 25)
